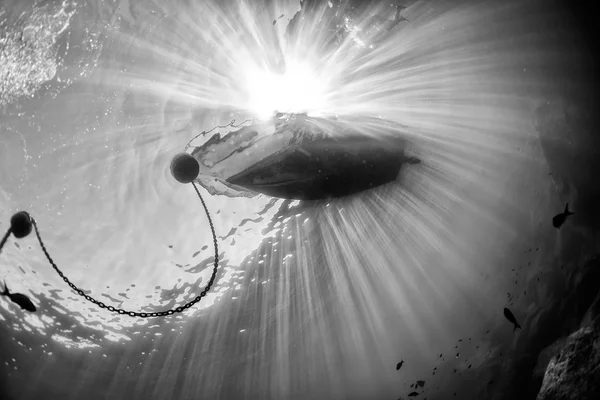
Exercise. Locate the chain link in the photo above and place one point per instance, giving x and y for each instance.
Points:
(135, 313)
(5, 238)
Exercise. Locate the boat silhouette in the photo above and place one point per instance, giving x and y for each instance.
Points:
(294, 156)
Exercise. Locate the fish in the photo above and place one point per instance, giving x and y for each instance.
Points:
(18, 298)
(420, 383)
(413, 394)
(559, 219)
(509, 316)
(399, 365)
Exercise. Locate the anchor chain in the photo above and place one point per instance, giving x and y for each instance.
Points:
(120, 310)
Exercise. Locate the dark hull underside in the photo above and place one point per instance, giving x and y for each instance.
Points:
(325, 168)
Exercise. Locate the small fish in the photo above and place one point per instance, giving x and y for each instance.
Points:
(22, 300)
(399, 365)
(560, 219)
(420, 383)
(413, 394)
(509, 316)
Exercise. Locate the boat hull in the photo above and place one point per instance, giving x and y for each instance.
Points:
(326, 168)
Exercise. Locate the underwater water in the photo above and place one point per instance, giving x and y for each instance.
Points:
(312, 299)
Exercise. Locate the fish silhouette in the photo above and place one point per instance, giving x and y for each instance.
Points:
(22, 300)
(559, 219)
(509, 316)
(399, 365)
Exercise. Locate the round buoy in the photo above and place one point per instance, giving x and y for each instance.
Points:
(20, 224)
(184, 168)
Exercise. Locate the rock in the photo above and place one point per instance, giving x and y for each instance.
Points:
(575, 373)
(546, 355)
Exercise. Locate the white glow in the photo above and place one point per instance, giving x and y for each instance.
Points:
(299, 89)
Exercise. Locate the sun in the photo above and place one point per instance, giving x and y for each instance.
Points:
(297, 90)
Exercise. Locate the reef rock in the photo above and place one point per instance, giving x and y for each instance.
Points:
(546, 356)
(575, 373)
